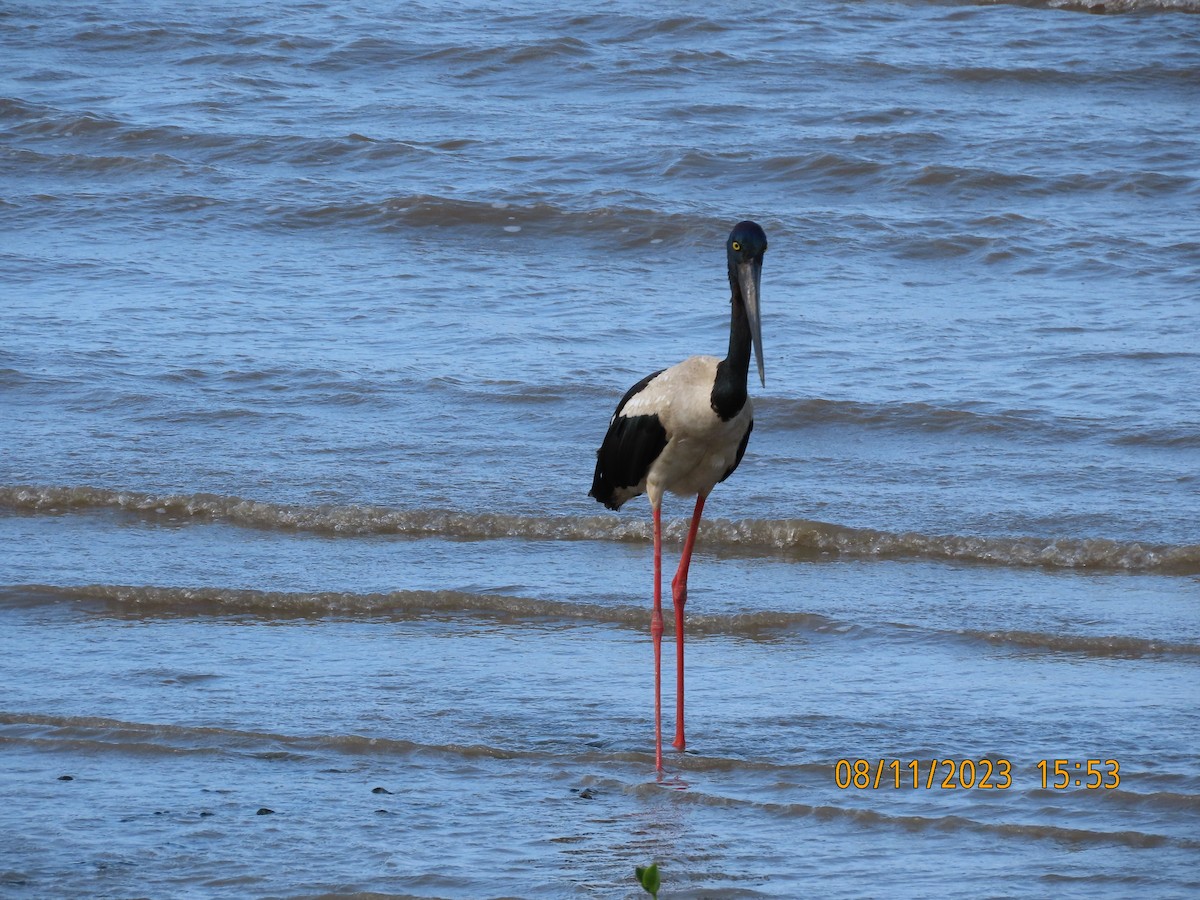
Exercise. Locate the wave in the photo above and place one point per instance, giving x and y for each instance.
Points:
(106, 131)
(462, 61)
(1029, 425)
(96, 164)
(920, 417)
(588, 217)
(91, 142)
(597, 216)
(1105, 6)
(800, 539)
(65, 141)
(101, 734)
(793, 538)
(408, 604)
(98, 733)
(875, 818)
(404, 604)
(1116, 646)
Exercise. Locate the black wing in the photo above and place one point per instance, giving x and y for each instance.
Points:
(627, 452)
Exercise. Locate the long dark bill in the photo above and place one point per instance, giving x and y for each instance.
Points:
(749, 274)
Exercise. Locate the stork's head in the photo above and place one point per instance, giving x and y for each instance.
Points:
(745, 248)
(747, 241)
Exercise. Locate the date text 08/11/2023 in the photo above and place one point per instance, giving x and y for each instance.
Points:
(969, 774)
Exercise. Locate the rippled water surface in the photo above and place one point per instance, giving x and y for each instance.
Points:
(313, 316)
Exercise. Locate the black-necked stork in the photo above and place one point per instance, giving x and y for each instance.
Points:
(683, 430)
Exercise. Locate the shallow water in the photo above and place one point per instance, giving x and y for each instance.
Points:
(313, 318)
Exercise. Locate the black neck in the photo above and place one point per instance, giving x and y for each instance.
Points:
(729, 392)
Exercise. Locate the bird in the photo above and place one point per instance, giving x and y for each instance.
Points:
(684, 429)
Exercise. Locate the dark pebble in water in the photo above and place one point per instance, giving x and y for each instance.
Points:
(380, 790)
(265, 812)
(66, 777)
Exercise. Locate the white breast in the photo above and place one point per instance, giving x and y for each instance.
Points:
(700, 447)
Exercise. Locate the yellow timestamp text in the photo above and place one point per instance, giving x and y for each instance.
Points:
(971, 774)
(1085, 773)
(930, 774)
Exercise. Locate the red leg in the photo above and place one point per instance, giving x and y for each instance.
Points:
(656, 632)
(679, 597)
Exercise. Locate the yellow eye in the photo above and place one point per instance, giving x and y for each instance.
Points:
(736, 246)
